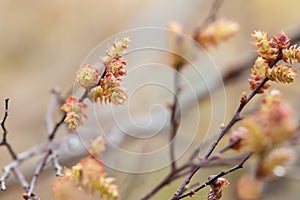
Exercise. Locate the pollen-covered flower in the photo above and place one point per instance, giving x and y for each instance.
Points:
(109, 90)
(118, 96)
(291, 55)
(265, 48)
(281, 73)
(75, 112)
(117, 67)
(87, 76)
(216, 32)
(282, 41)
(117, 50)
(258, 74)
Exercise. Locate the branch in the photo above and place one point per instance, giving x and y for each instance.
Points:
(49, 154)
(210, 181)
(168, 179)
(37, 172)
(4, 136)
(189, 167)
(236, 117)
(175, 116)
(210, 17)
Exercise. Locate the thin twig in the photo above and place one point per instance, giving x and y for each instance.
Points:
(187, 168)
(222, 173)
(175, 116)
(214, 10)
(50, 152)
(37, 172)
(55, 100)
(4, 135)
(210, 17)
(237, 115)
(204, 161)
(57, 166)
(169, 178)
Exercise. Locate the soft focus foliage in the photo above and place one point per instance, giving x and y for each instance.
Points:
(249, 188)
(215, 33)
(177, 41)
(240, 134)
(97, 147)
(211, 34)
(279, 157)
(268, 132)
(86, 179)
(272, 125)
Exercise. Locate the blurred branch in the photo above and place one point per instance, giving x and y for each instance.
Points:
(55, 100)
(50, 153)
(175, 115)
(210, 17)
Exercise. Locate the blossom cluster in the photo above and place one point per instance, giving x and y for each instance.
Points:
(75, 112)
(216, 32)
(270, 51)
(268, 132)
(100, 88)
(86, 179)
(206, 35)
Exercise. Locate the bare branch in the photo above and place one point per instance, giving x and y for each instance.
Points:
(175, 116)
(55, 100)
(4, 138)
(222, 173)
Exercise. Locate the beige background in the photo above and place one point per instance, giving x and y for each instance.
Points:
(42, 43)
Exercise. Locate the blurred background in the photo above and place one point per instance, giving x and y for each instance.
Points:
(43, 43)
